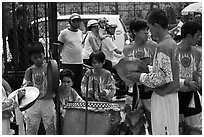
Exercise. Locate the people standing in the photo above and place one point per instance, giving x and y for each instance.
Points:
(44, 107)
(164, 78)
(109, 48)
(140, 48)
(102, 21)
(190, 63)
(92, 41)
(71, 50)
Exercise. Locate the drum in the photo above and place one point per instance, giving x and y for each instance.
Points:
(102, 118)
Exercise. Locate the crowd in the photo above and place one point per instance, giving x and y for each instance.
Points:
(170, 92)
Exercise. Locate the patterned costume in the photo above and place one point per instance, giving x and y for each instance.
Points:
(164, 79)
(189, 62)
(44, 106)
(96, 83)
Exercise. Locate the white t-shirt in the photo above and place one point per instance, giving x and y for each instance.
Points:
(108, 47)
(72, 49)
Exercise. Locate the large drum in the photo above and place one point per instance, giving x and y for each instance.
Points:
(102, 118)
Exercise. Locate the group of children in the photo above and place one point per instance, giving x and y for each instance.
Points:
(167, 65)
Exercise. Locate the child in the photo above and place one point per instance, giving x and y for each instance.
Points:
(141, 47)
(67, 93)
(190, 61)
(101, 85)
(44, 106)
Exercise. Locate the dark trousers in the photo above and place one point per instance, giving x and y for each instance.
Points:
(77, 69)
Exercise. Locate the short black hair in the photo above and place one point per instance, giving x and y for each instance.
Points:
(98, 56)
(190, 27)
(158, 16)
(138, 25)
(36, 47)
(66, 73)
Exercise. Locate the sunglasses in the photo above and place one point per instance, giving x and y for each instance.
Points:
(95, 26)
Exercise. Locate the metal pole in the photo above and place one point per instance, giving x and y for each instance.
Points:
(15, 36)
(52, 6)
(86, 111)
(46, 43)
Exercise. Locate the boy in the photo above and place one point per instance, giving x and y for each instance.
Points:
(164, 78)
(44, 106)
(67, 93)
(101, 84)
(190, 61)
(140, 48)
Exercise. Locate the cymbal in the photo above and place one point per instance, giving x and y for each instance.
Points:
(126, 65)
(31, 94)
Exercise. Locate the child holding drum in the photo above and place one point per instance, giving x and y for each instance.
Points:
(100, 82)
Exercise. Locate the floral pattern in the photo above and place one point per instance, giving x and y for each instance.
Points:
(162, 72)
(105, 82)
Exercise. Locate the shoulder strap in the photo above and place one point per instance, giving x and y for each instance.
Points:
(84, 38)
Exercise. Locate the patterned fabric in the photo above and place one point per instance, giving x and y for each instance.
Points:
(44, 109)
(147, 50)
(98, 83)
(162, 72)
(189, 62)
(71, 95)
(93, 106)
(164, 78)
(38, 77)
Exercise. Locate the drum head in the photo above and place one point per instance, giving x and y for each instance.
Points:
(52, 77)
(31, 94)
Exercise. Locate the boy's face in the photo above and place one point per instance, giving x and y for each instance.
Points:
(66, 82)
(37, 59)
(97, 65)
(143, 34)
(76, 22)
